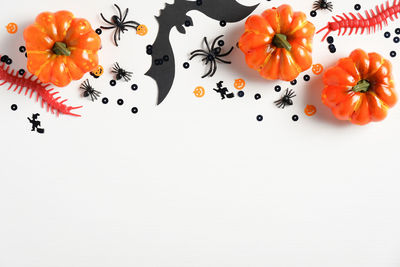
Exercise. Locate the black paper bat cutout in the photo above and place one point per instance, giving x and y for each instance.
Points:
(163, 62)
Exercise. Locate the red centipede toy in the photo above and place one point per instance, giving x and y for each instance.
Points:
(369, 23)
(54, 105)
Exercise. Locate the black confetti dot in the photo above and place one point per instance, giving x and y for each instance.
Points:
(166, 58)
(278, 88)
(99, 31)
(393, 53)
(149, 47)
(149, 51)
(14, 107)
(295, 118)
(357, 7)
(330, 40)
(294, 82)
(222, 23)
(306, 77)
(387, 34)
(4, 58)
(240, 94)
(221, 43)
(257, 96)
(113, 82)
(260, 118)
(21, 72)
(120, 102)
(313, 13)
(199, 2)
(397, 31)
(396, 39)
(186, 65)
(9, 61)
(134, 110)
(22, 49)
(332, 48)
(105, 100)
(188, 23)
(134, 87)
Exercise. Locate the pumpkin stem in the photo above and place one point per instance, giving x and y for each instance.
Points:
(280, 40)
(362, 86)
(61, 49)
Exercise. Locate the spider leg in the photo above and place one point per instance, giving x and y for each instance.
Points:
(109, 22)
(115, 36)
(126, 14)
(227, 53)
(131, 26)
(116, 66)
(195, 55)
(198, 50)
(213, 62)
(208, 46)
(131, 21)
(223, 61)
(119, 34)
(107, 28)
(209, 71)
(91, 96)
(215, 41)
(119, 11)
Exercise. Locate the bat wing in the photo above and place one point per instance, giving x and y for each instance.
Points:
(227, 10)
(162, 68)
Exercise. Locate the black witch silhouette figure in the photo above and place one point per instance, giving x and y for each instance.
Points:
(223, 91)
(35, 123)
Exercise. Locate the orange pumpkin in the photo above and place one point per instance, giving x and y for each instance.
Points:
(61, 48)
(278, 44)
(360, 88)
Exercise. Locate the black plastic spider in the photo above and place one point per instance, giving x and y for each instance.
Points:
(88, 90)
(121, 73)
(323, 4)
(211, 55)
(286, 99)
(119, 24)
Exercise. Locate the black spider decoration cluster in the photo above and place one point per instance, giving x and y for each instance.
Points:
(286, 99)
(119, 24)
(88, 90)
(212, 55)
(121, 73)
(323, 4)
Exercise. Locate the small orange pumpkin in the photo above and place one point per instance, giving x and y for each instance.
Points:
(317, 69)
(141, 30)
(310, 110)
(239, 84)
(61, 48)
(278, 44)
(12, 28)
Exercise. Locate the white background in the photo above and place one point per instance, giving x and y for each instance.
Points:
(195, 182)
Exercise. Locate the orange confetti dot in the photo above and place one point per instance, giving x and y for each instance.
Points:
(317, 69)
(199, 91)
(239, 84)
(12, 27)
(141, 30)
(310, 110)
